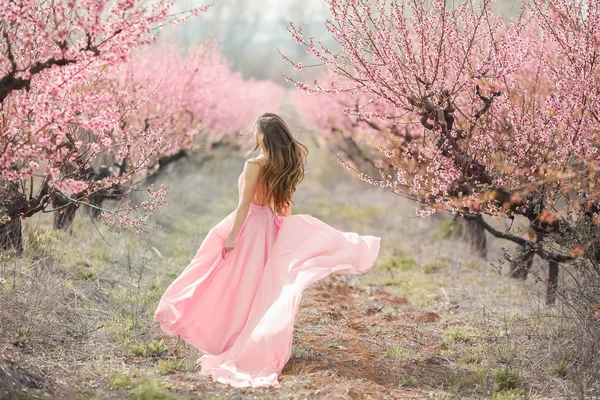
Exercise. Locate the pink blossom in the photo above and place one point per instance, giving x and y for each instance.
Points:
(461, 105)
(65, 110)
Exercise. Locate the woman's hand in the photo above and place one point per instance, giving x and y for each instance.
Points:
(228, 245)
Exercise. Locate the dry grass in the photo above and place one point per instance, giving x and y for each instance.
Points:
(429, 321)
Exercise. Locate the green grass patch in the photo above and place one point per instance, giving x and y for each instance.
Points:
(133, 311)
(22, 336)
(396, 264)
(180, 236)
(446, 228)
(471, 377)
(85, 274)
(513, 394)
(447, 353)
(156, 348)
(561, 369)
(120, 381)
(433, 267)
(42, 241)
(470, 355)
(409, 380)
(170, 366)
(122, 329)
(502, 354)
(212, 396)
(403, 276)
(152, 390)
(419, 289)
(464, 334)
(402, 354)
(470, 265)
(397, 352)
(506, 380)
(137, 350)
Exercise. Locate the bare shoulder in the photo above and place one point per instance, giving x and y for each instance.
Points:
(251, 168)
(257, 161)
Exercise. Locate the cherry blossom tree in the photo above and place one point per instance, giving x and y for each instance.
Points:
(58, 115)
(195, 95)
(507, 111)
(195, 99)
(360, 140)
(356, 138)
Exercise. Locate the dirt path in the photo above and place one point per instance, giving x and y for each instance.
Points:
(344, 343)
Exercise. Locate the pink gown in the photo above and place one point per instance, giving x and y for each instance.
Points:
(240, 309)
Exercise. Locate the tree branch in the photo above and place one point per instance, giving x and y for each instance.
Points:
(535, 247)
(10, 82)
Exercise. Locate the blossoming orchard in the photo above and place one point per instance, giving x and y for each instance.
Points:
(438, 162)
(87, 112)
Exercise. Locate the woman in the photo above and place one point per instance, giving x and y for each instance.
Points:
(237, 299)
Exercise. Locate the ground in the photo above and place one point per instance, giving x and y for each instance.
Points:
(430, 320)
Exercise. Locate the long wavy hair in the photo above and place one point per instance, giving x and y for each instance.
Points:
(285, 160)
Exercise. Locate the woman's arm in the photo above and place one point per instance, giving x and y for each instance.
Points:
(249, 182)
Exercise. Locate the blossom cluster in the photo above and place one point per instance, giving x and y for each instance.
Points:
(472, 113)
(194, 95)
(87, 108)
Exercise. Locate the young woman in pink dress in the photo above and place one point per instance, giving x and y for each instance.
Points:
(237, 299)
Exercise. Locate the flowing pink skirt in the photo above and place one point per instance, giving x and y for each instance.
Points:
(240, 309)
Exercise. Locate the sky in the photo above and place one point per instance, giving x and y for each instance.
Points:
(269, 10)
(250, 32)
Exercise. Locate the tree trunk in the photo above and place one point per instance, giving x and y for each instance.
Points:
(66, 208)
(11, 200)
(11, 236)
(162, 164)
(166, 160)
(476, 237)
(65, 215)
(552, 283)
(96, 202)
(520, 267)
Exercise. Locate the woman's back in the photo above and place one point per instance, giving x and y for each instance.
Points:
(260, 197)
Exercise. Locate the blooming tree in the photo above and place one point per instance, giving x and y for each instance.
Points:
(355, 137)
(194, 95)
(507, 112)
(57, 114)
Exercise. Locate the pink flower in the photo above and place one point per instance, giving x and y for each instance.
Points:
(522, 113)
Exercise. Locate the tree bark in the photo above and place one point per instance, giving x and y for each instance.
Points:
(476, 238)
(11, 236)
(11, 200)
(539, 250)
(65, 215)
(166, 160)
(552, 283)
(520, 267)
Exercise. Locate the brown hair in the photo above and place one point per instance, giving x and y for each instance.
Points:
(285, 158)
